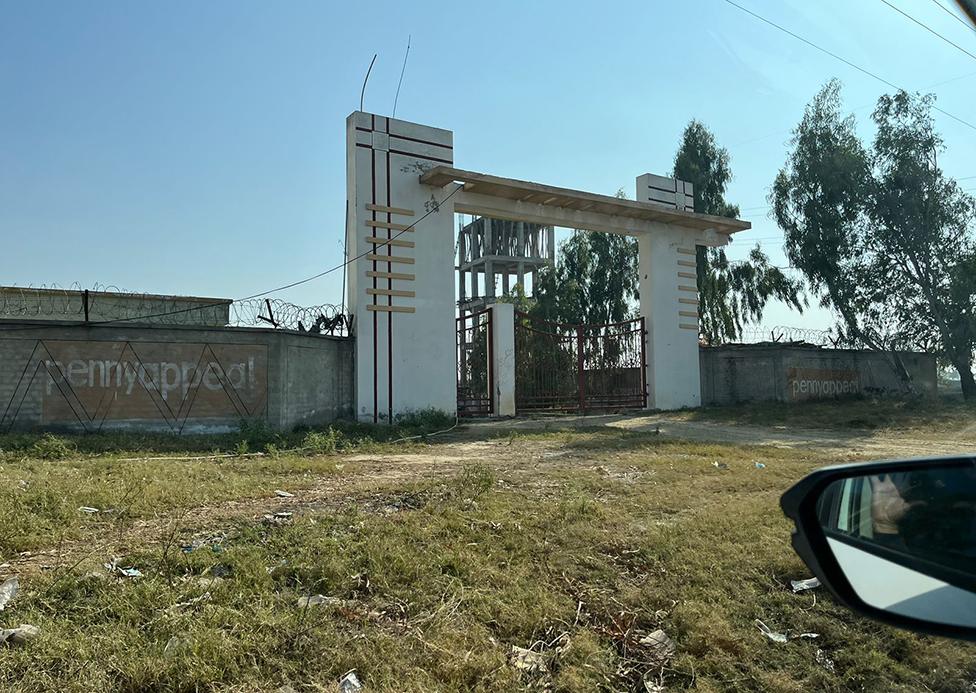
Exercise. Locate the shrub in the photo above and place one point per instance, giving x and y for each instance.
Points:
(258, 433)
(52, 447)
(475, 480)
(429, 419)
(322, 442)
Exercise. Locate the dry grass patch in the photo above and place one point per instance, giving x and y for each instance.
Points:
(574, 545)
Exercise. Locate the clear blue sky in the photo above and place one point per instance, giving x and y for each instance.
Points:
(198, 147)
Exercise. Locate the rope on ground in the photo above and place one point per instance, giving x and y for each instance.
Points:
(457, 422)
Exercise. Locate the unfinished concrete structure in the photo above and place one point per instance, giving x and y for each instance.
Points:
(492, 249)
(402, 193)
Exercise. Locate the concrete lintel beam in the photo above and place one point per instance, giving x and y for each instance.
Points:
(548, 215)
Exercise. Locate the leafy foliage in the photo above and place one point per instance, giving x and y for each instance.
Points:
(731, 294)
(882, 235)
(594, 280)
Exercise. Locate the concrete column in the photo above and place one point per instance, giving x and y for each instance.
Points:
(673, 375)
(462, 253)
(489, 281)
(503, 357)
(669, 299)
(401, 297)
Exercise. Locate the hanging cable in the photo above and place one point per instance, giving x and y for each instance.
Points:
(955, 16)
(929, 29)
(434, 209)
(843, 60)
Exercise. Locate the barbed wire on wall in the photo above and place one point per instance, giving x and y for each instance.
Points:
(41, 301)
(785, 334)
(326, 318)
(109, 302)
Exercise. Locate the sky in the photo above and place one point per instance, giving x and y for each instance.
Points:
(199, 148)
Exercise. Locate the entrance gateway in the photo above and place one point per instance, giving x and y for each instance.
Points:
(403, 191)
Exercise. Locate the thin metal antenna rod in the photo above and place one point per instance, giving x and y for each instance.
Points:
(362, 94)
(345, 258)
(402, 70)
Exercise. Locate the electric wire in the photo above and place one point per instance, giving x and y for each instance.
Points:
(434, 209)
(955, 16)
(841, 59)
(929, 29)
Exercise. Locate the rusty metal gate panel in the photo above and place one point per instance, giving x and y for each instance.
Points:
(579, 368)
(475, 367)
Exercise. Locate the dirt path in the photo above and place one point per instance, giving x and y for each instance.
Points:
(376, 481)
(871, 443)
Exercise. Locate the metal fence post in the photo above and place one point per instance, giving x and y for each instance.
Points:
(643, 362)
(491, 361)
(581, 385)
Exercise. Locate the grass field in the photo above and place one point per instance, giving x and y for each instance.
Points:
(433, 558)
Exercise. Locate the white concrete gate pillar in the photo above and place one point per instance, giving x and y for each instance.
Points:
(503, 357)
(669, 299)
(401, 294)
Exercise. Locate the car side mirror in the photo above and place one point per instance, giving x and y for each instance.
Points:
(895, 541)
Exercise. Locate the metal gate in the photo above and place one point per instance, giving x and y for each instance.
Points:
(579, 368)
(475, 368)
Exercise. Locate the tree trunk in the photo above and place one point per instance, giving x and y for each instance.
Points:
(964, 366)
(894, 358)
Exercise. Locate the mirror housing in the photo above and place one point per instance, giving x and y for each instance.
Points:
(857, 527)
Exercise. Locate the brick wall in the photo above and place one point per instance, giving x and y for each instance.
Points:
(64, 376)
(784, 373)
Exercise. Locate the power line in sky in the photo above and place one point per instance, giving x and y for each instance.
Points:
(955, 16)
(386, 242)
(841, 59)
(929, 29)
(856, 108)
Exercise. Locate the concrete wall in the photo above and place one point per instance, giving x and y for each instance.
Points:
(62, 376)
(783, 373)
(68, 305)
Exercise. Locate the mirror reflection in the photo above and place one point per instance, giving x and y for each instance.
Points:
(907, 541)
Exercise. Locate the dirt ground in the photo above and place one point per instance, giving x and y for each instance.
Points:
(575, 537)
(873, 444)
(492, 443)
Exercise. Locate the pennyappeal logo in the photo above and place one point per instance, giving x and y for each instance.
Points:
(148, 380)
(165, 376)
(815, 383)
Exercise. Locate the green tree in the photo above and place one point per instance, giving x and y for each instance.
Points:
(819, 201)
(920, 232)
(882, 235)
(731, 294)
(594, 280)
